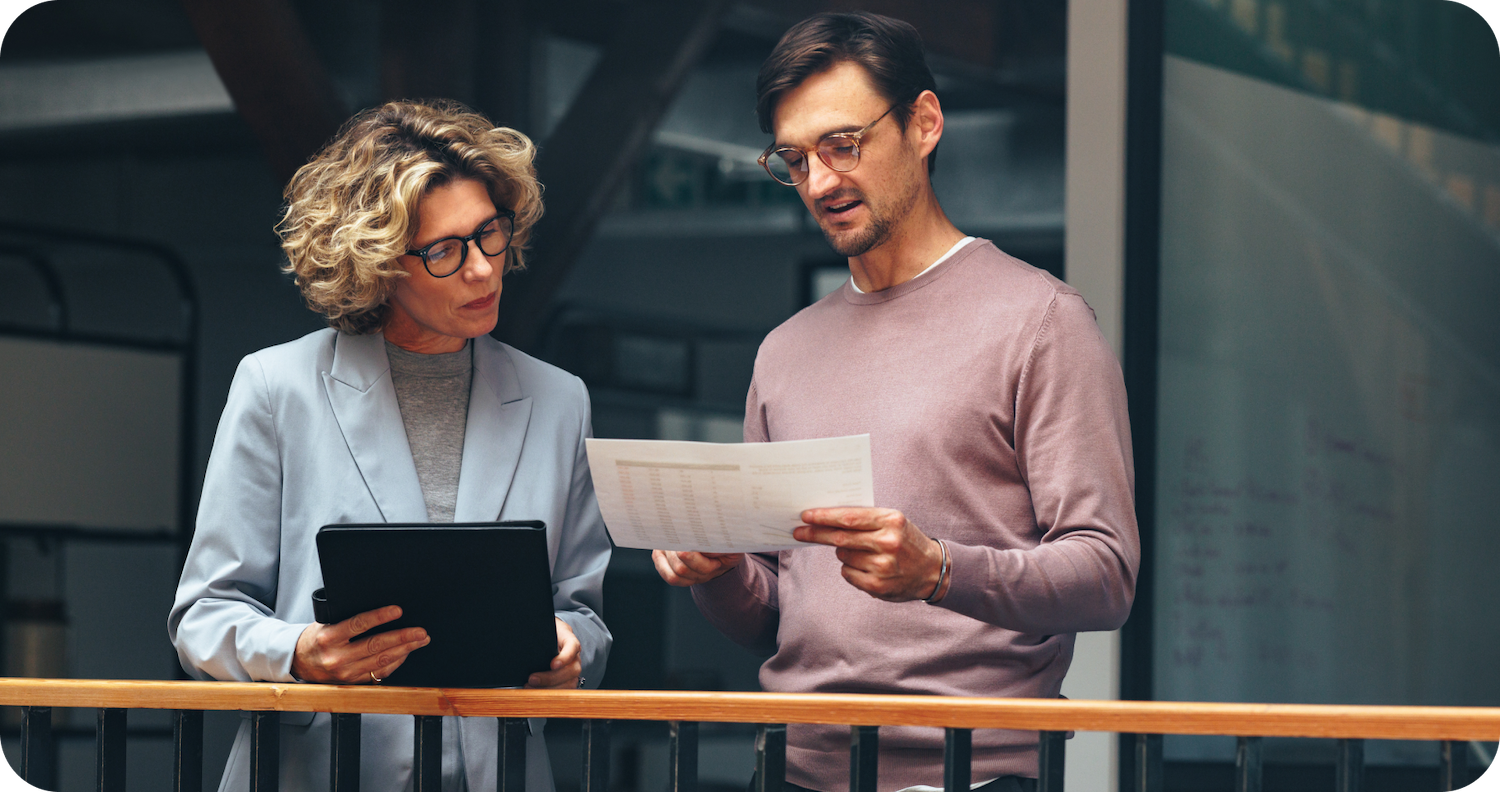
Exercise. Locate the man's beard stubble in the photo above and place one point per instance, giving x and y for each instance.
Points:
(857, 243)
(880, 226)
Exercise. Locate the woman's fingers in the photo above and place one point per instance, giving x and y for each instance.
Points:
(326, 653)
(359, 624)
(566, 667)
(384, 663)
(568, 647)
(565, 678)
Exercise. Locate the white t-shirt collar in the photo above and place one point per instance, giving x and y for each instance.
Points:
(960, 243)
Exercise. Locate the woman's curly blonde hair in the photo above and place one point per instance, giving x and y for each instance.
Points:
(353, 209)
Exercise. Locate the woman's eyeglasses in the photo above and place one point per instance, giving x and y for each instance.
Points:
(447, 255)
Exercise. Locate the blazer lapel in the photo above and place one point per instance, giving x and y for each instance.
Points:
(364, 404)
(499, 413)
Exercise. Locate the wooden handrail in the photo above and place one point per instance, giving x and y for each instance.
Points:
(1143, 717)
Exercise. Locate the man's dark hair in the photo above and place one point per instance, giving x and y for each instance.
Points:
(889, 50)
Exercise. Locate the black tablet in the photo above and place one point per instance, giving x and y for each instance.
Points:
(482, 591)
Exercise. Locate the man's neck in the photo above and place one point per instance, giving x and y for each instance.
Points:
(924, 237)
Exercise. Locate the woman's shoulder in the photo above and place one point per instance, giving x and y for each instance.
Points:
(533, 377)
(302, 358)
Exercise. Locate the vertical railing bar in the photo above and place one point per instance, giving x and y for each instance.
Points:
(1149, 769)
(513, 736)
(265, 751)
(343, 756)
(1052, 761)
(958, 756)
(427, 753)
(770, 757)
(109, 751)
(187, 751)
(38, 755)
(595, 756)
(864, 758)
(682, 749)
(1454, 768)
(1349, 774)
(1247, 765)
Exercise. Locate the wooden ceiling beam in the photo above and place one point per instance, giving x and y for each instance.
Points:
(269, 67)
(589, 156)
(428, 49)
(963, 30)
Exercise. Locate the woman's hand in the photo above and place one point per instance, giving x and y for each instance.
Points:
(567, 667)
(329, 653)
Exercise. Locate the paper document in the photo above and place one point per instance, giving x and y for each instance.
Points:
(724, 497)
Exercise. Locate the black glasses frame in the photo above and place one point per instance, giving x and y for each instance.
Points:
(852, 137)
(463, 243)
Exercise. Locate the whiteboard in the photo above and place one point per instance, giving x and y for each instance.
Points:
(88, 435)
(1329, 402)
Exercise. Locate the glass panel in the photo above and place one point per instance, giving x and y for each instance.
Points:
(1329, 393)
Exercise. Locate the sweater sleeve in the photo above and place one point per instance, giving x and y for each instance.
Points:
(1072, 441)
(742, 602)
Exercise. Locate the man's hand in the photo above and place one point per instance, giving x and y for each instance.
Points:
(884, 555)
(566, 667)
(329, 653)
(687, 568)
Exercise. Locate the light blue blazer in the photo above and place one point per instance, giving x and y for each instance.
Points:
(312, 435)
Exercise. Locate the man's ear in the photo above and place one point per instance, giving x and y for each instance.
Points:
(926, 122)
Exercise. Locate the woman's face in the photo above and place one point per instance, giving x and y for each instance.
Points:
(432, 315)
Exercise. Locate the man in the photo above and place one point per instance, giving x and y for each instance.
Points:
(997, 423)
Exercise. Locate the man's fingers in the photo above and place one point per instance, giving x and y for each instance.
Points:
(854, 518)
(700, 564)
(668, 567)
(835, 537)
(881, 588)
(688, 568)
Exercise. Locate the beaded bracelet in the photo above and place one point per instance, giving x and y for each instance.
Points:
(942, 574)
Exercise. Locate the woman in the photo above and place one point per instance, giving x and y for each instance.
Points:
(405, 410)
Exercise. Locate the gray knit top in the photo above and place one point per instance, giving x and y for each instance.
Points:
(433, 394)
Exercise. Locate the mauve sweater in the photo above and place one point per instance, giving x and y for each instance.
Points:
(997, 422)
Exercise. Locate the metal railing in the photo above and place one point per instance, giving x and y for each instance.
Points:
(865, 714)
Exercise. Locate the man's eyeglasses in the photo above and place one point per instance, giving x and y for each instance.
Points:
(447, 255)
(839, 151)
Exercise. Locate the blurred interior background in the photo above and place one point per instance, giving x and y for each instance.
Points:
(144, 145)
(665, 257)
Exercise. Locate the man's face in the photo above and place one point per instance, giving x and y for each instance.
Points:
(859, 210)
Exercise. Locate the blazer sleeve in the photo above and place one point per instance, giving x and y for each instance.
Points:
(222, 621)
(582, 556)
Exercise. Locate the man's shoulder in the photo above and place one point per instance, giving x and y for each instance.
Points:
(990, 269)
(811, 322)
